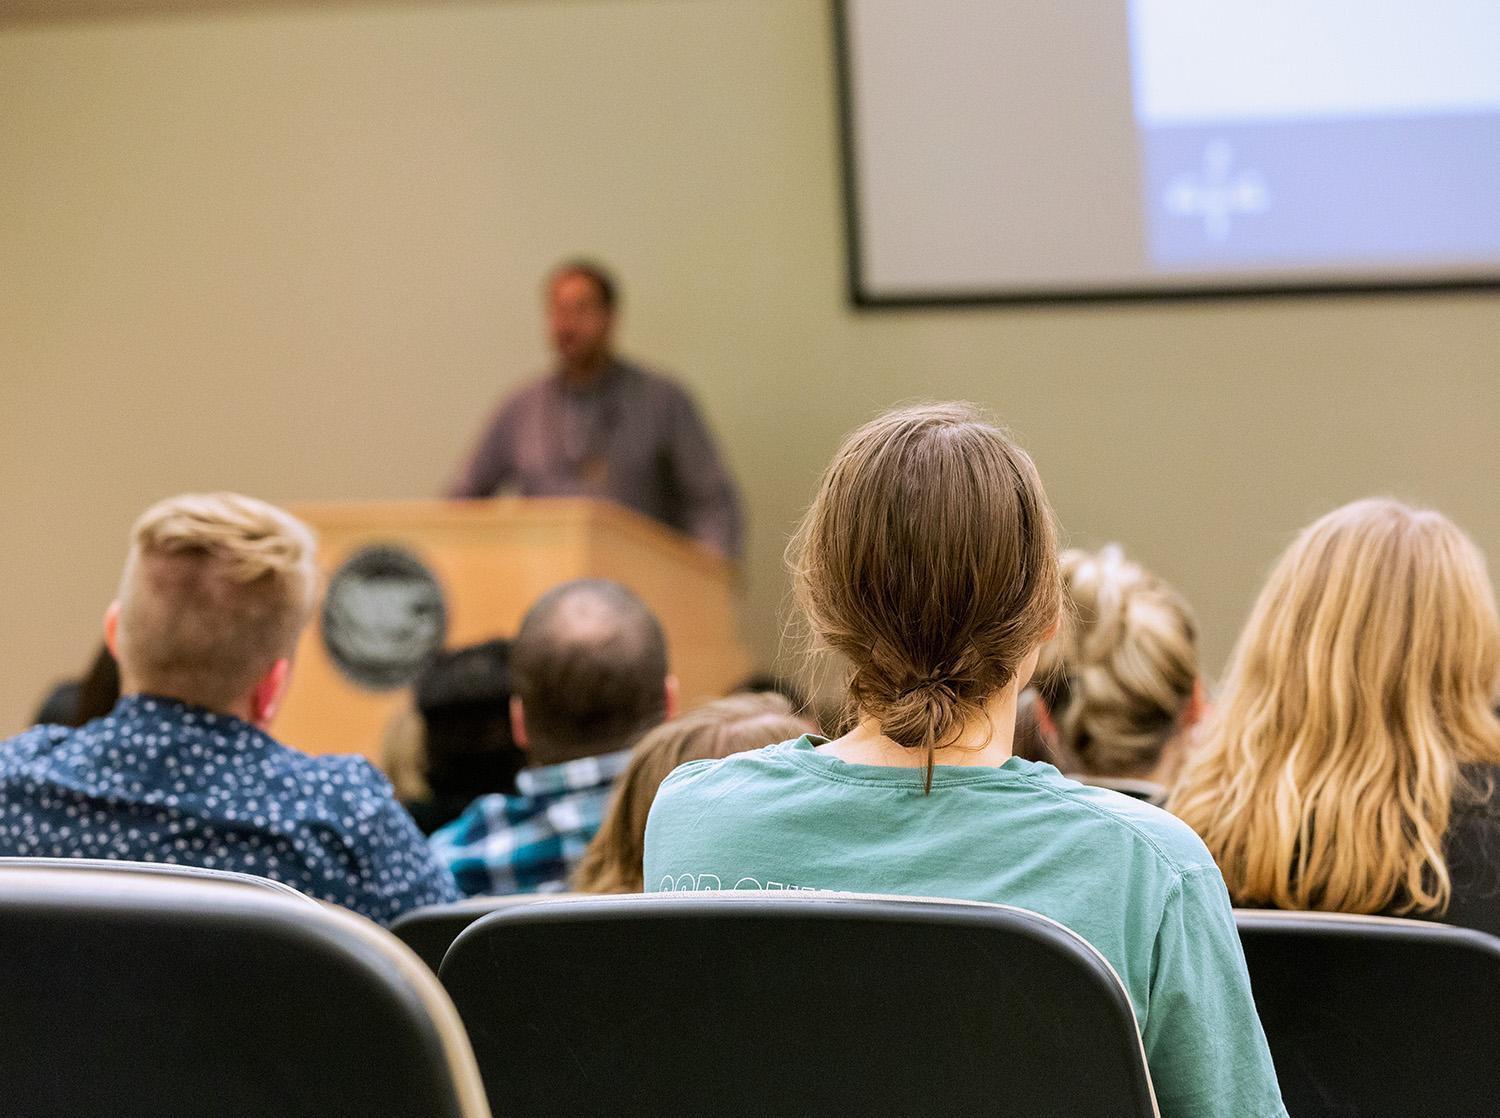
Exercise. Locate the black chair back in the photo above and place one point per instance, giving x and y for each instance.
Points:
(820, 1005)
(431, 930)
(148, 990)
(1370, 1017)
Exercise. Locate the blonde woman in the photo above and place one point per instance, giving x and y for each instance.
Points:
(612, 862)
(1348, 764)
(929, 561)
(1117, 690)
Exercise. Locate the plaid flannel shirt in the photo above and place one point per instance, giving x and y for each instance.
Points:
(530, 842)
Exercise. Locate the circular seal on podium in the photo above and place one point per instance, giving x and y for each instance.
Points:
(384, 618)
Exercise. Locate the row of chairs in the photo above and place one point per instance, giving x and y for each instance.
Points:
(149, 990)
(1365, 1016)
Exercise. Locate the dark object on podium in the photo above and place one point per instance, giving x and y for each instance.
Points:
(463, 697)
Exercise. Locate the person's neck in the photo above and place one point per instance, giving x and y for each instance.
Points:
(243, 710)
(586, 373)
(547, 756)
(987, 738)
(1169, 761)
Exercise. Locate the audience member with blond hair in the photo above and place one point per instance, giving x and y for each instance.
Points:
(1349, 764)
(216, 590)
(928, 560)
(1117, 690)
(612, 862)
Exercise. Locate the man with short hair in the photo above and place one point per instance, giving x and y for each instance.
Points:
(216, 591)
(600, 426)
(589, 677)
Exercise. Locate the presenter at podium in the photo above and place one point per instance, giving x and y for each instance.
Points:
(601, 426)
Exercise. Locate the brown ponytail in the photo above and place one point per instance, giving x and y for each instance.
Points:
(929, 561)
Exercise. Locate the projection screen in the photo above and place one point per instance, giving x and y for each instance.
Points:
(1030, 149)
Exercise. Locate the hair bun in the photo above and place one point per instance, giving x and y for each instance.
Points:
(929, 561)
(1124, 666)
(922, 716)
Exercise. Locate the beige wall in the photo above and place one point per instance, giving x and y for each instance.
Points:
(295, 252)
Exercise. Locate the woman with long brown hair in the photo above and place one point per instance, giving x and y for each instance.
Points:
(929, 562)
(1348, 765)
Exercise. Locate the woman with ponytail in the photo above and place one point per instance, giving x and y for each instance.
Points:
(928, 561)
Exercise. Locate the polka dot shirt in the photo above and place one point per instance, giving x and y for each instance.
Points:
(157, 780)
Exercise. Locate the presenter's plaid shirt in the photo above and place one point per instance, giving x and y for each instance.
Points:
(530, 842)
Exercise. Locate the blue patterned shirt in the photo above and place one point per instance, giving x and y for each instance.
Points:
(530, 842)
(157, 780)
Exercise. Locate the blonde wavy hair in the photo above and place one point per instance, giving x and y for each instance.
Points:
(1123, 668)
(614, 859)
(217, 588)
(1362, 682)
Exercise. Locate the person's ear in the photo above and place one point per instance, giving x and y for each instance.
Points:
(112, 628)
(1196, 708)
(1027, 668)
(1043, 718)
(265, 700)
(518, 723)
(673, 698)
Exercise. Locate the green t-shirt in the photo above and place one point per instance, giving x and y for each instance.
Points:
(1134, 881)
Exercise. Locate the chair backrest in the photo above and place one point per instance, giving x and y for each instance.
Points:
(1370, 1016)
(134, 991)
(431, 930)
(154, 869)
(813, 1004)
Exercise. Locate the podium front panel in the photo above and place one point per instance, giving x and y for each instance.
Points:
(493, 559)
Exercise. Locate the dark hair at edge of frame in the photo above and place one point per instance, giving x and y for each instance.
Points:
(601, 687)
(601, 277)
(929, 561)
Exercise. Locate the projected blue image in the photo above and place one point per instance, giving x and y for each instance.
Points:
(1311, 193)
(1216, 191)
(1315, 132)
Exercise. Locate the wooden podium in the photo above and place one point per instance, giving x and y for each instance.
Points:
(493, 559)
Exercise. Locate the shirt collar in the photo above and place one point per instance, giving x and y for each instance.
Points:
(144, 705)
(572, 776)
(599, 386)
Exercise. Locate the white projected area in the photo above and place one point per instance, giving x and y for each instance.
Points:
(1144, 146)
(1216, 61)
